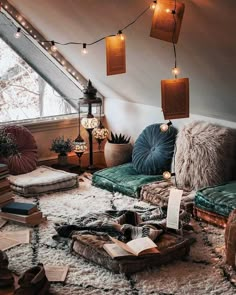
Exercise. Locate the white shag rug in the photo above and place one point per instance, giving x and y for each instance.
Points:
(203, 272)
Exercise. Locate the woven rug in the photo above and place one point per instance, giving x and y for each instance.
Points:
(203, 272)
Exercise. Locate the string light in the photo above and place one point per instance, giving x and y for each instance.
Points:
(121, 35)
(53, 47)
(84, 50)
(166, 175)
(164, 127)
(17, 35)
(175, 72)
(153, 5)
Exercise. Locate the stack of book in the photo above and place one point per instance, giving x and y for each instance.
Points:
(27, 213)
(6, 195)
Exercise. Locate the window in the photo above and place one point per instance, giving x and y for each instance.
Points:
(23, 93)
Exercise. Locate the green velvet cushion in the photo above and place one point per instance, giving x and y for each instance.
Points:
(219, 199)
(124, 179)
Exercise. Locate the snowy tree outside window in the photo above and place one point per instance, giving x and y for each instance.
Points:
(24, 94)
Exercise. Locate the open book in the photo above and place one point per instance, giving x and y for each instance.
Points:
(135, 247)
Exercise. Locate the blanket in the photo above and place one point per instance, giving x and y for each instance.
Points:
(124, 225)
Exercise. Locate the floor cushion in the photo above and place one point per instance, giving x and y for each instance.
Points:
(42, 180)
(205, 155)
(91, 248)
(123, 178)
(219, 199)
(153, 150)
(157, 193)
(26, 159)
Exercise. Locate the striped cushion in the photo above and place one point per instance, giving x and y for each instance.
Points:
(42, 180)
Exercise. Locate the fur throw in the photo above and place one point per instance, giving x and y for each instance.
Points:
(205, 155)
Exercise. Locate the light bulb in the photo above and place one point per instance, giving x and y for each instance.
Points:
(164, 127)
(153, 5)
(121, 35)
(53, 47)
(166, 175)
(18, 33)
(168, 10)
(175, 71)
(84, 50)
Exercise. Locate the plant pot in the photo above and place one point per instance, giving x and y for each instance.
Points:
(117, 154)
(62, 160)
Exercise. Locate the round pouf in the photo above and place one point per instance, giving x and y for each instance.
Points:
(26, 159)
(153, 150)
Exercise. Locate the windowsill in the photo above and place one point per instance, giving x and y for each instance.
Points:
(49, 123)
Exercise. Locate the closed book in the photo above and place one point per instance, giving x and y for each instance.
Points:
(5, 190)
(32, 219)
(6, 196)
(4, 175)
(4, 183)
(20, 208)
(3, 167)
(7, 202)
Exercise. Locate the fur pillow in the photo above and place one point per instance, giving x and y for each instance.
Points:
(205, 155)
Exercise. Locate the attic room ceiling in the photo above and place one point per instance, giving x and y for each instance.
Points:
(206, 49)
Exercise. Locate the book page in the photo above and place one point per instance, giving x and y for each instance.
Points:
(6, 243)
(22, 237)
(115, 251)
(141, 244)
(173, 208)
(56, 273)
(122, 245)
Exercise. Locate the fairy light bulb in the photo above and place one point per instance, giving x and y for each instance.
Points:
(17, 35)
(175, 71)
(121, 35)
(153, 5)
(53, 47)
(84, 50)
(165, 126)
(166, 175)
(168, 10)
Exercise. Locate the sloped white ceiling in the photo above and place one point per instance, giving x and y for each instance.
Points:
(206, 49)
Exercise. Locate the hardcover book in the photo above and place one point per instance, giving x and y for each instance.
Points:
(20, 208)
(32, 219)
(137, 247)
(3, 167)
(6, 202)
(4, 183)
(6, 196)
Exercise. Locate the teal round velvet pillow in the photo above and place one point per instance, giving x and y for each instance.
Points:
(153, 150)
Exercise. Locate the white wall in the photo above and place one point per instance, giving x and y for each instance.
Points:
(132, 118)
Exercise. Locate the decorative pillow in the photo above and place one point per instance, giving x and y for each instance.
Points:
(205, 155)
(26, 159)
(153, 150)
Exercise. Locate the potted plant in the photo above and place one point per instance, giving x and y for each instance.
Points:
(62, 146)
(8, 146)
(117, 150)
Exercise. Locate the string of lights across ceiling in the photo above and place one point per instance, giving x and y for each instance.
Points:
(51, 45)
